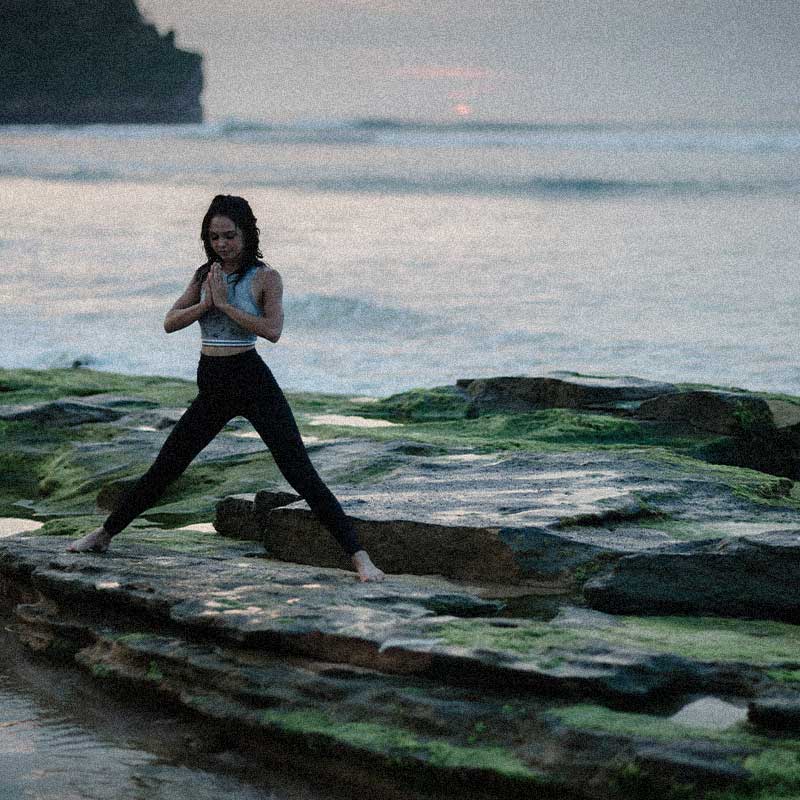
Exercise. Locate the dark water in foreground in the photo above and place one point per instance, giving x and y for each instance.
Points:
(61, 738)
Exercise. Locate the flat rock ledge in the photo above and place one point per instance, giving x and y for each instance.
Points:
(755, 578)
(244, 516)
(764, 432)
(553, 521)
(60, 412)
(728, 413)
(416, 678)
(559, 390)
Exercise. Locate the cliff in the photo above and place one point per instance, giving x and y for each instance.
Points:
(93, 61)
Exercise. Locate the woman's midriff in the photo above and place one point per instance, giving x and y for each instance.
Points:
(211, 350)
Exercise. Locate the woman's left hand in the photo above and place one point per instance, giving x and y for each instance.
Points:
(217, 285)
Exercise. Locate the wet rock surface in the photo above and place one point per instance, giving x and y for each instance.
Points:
(526, 517)
(574, 607)
(415, 673)
(776, 713)
(745, 577)
(559, 390)
(244, 516)
(60, 412)
(387, 673)
(732, 413)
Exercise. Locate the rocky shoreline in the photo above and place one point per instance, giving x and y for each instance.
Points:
(590, 589)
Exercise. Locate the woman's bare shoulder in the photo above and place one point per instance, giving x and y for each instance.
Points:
(268, 276)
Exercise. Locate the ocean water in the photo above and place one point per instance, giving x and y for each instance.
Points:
(414, 255)
(62, 737)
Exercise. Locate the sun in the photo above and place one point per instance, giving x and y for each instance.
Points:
(462, 110)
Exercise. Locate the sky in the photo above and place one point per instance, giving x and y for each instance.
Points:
(509, 60)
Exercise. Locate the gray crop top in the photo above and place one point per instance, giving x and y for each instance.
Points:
(219, 329)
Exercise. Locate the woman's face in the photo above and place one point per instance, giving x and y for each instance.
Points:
(226, 238)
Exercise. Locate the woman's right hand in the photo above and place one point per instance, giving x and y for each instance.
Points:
(207, 300)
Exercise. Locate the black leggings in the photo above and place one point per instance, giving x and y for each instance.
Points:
(233, 386)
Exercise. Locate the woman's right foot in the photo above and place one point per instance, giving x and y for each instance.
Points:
(95, 542)
(366, 570)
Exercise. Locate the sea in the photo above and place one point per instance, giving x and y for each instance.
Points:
(414, 254)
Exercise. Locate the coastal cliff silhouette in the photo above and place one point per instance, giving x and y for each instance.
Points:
(93, 61)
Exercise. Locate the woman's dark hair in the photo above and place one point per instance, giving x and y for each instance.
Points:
(238, 210)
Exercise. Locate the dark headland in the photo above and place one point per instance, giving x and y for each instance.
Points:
(93, 61)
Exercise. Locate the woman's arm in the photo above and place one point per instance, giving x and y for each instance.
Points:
(268, 287)
(188, 308)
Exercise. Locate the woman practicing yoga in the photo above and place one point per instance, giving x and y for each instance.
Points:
(236, 298)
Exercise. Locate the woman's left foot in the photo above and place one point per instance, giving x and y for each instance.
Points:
(366, 570)
(95, 542)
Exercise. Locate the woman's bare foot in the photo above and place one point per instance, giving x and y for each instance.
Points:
(367, 571)
(95, 542)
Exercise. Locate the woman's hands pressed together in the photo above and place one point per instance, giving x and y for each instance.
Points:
(206, 300)
(216, 288)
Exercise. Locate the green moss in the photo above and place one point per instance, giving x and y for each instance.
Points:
(365, 735)
(318, 403)
(491, 759)
(711, 639)
(688, 387)
(749, 484)
(775, 768)
(182, 541)
(775, 775)
(66, 486)
(685, 530)
(784, 675)
(398, 742)
(750, 419)
(101, 670)
(34, 386)
(60, 478)
(646, 726)
(28, 451)
(716, 639)
(154, 673)
(140, 531)
(20, 478)
(419, 405)
(749, 792)
(527, 639)
(631, 782)
(371, 471)
(71, 526)
(551, 430)
(478, 730)
(555, 426)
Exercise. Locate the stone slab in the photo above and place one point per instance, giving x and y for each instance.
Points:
(243, 516)
(558, 390)
(59, 412)
(776, 713)
(524, 516)
(727, 413)
(405, 625)
(743, 577)
(414, 674)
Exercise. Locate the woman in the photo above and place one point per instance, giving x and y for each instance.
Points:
(236, 298)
